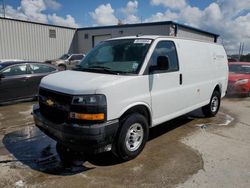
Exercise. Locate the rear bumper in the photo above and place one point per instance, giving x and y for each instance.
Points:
(94, 138)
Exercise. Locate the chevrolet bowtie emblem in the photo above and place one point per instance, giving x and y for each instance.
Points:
(50, 102)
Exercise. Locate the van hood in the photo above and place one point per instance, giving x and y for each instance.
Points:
(79, 83)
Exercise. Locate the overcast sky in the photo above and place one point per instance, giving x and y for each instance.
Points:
(228, 18)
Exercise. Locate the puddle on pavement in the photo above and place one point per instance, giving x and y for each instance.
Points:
(34, 149)
(27, 112)
(220, 120)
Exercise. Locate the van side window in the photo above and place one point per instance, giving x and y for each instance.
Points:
(166, 48)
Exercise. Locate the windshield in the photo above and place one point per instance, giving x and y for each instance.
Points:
(64, 57)
(117, 56)
(241, 69)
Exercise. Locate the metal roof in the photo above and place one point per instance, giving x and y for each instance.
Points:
(150, 24)
(121, 26)
(37, 23)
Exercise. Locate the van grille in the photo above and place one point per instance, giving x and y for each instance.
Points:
(54, 106)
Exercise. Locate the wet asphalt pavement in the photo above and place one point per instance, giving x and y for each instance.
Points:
(175, 154)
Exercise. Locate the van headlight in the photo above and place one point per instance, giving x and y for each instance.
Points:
(89, 100)
(89, 107)
(243, 81)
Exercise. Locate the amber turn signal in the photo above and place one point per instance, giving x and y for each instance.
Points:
(80, 116)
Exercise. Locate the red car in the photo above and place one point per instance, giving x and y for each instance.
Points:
(239, 78)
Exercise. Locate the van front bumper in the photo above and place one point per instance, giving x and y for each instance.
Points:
(94, 138)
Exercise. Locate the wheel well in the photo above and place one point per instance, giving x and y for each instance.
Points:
(141, 109)
(62, 65)
(217, 88)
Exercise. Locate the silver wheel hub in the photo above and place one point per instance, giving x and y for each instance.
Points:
(134, 137)
(214, 104)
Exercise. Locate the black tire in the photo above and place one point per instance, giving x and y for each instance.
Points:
(62, 67)
(213, 107)
(132, 136)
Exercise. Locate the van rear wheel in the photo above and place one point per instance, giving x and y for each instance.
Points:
(213, 107)
(132, 136)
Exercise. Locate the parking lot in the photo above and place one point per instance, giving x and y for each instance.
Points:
(189, 151)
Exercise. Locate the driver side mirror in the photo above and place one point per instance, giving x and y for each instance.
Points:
(162, 64)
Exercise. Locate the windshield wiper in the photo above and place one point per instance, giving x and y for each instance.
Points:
(106, 69)
(102, 68)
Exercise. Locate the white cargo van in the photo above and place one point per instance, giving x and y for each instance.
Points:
(125, 86)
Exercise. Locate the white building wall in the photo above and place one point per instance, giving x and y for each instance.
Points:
(192, 34)
(85, 44)
(31, 41)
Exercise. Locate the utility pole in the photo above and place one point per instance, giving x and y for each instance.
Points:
(3, 7)
(241, 50)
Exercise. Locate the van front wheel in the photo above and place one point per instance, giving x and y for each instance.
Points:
(213, 107)
(132, 136)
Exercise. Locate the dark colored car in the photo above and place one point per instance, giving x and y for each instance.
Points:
(239, 78)
(20, 80)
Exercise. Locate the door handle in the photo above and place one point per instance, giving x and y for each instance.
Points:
(180, 80)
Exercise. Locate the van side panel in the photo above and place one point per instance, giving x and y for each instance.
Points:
(203, 65)
(220, 59)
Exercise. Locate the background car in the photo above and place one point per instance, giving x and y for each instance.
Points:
(20, 80)
(239, 78)
(67, 61)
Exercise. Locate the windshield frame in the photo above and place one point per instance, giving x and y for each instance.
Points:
(105, 71)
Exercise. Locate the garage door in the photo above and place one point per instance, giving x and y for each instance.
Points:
(100, 38)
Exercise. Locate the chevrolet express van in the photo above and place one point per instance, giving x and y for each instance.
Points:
(125, 86)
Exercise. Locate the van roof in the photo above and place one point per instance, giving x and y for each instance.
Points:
(153, 37)
(142, 37)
